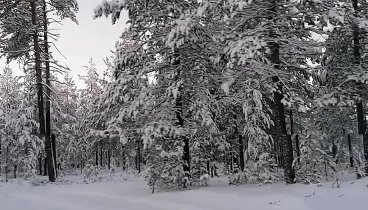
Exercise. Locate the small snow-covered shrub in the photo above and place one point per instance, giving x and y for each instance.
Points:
(91, 173)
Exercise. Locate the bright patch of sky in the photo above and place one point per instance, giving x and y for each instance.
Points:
(89, 39)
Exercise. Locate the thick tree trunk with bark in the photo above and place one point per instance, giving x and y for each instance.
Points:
(37, 57)
(180, 121)
(48, 145)
(362, 124)
(280, 132)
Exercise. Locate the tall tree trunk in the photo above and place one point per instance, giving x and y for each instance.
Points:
(48, 145)
(180, 120)
(362, 124)
(280, 132)
(37, 57)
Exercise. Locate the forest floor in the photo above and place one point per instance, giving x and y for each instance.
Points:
(124, 191)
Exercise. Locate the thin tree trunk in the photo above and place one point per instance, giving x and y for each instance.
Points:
(109, 158)
(297, 146)
(351, 155)
(96, 155)
(54, 154)
(40, 164)
(101, 154)
(231, 162)
(240, 143)
(241, 152)
(138, 156)
(15, 167)
(6, 163)
(45, 167)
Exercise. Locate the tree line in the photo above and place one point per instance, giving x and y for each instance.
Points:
(260, 90)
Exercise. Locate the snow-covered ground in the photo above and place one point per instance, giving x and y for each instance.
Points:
(127, 192)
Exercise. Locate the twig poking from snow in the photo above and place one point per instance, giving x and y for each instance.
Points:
(307, 196)
(340, 195)
(336, 182)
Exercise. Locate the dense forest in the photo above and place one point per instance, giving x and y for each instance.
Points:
(257, 90)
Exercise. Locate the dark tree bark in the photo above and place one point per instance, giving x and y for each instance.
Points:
(6, 163)
(180, 120)
(231, 162)
(37, 56)
(45, 167)
(109, 158)
(138, 158)
(280, 132)
(351, 155)
(101, 154)
(40, 164)
(297, 144)
(96, 163)
(53, 142)
(48, 144)
(240, 143)
(15, 168)
(362, 124)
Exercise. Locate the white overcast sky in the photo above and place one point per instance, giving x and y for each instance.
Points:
(90, 39)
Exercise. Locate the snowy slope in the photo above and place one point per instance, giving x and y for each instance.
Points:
(134, 195)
